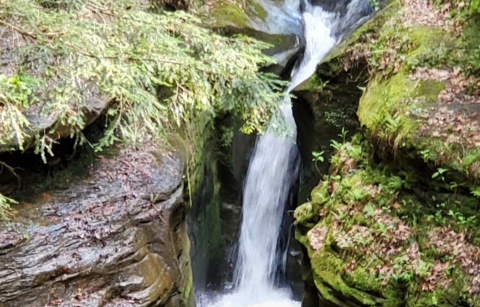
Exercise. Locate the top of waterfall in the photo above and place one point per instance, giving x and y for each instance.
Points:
(351, 13)
(319, 40)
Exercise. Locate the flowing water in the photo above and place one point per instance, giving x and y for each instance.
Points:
(270, 175)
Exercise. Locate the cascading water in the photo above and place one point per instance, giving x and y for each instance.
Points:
(269, 178)
(270, 175)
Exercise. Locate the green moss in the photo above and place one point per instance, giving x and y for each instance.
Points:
(227, 13)
(471, 32)
(302, 238)
(429, 89)
(320, 194)
(235, 14)
(372, 25)
(259, 9)
(304, 213)
(394, 109)
(420, 210)
(401, 104)
(384, 103)
(315, 83)
(432, 47)
(327, 269)
(363, 279)
(448, 297)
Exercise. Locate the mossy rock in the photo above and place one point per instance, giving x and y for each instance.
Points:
(402, 110)
(382, 236)
(228, 13)
(237, 17)
(376, 229)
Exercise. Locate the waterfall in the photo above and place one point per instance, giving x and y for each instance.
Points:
(270, 175)
(271, 172)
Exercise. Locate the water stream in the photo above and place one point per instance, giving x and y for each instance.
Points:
(271, 172)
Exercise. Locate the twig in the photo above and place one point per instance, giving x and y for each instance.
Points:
(11, 170)
(159, 213)
(29, 34)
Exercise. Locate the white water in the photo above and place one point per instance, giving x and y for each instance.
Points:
(269, 178)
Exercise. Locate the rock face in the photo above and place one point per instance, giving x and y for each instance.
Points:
(395, 222)
(115, 238)
(275, 22)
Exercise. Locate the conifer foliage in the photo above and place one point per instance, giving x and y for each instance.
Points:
(154, 71)
(149, 72)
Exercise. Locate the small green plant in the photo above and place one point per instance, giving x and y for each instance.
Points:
(392, 123)
(369, 209)
(440, 173)
(339, 214)
(460, 219)
(336, 177)
(395, 183)
(425, 155)
(355, 151)
(336, 145)
(423, 268)
(320, 86)
(382, 229)
(357, 194)
(343, 135)
(475, 191)
(318, 157)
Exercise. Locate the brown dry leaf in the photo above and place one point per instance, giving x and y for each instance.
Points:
(317, 237)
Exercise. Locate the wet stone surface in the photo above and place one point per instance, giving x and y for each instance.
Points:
(116, 238)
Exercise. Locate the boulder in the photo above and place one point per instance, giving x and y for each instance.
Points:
(276, 23)
(114, 237)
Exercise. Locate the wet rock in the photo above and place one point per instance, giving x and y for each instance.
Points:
(116, 238)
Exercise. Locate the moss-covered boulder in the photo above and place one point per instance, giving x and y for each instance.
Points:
(376, 235)
(268, 21)
(422, 99)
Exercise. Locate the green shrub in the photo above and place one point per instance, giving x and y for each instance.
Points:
(155, 71)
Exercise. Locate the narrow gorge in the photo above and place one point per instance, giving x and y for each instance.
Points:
(239, 153)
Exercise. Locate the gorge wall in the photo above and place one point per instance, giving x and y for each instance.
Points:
(394, 221)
